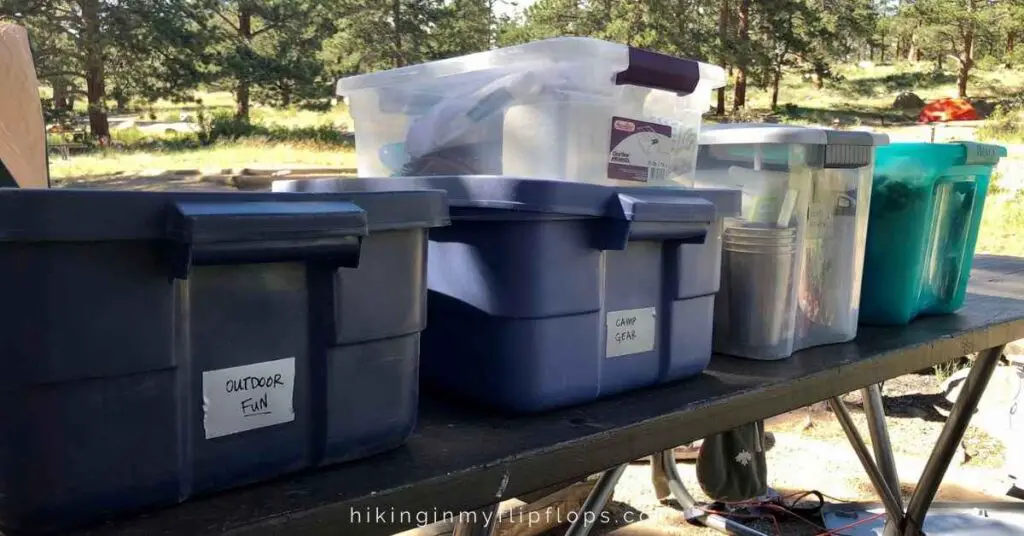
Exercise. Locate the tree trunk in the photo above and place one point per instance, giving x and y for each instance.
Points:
(60, 94)
(95, 76)
(243, 87)
(775, 87)
(396, 15)
(966, 62)
(961, 78)
(739, 99)
(1011, 38)
(819, 77)
(938, 61)
(723, 41)
(121, 101)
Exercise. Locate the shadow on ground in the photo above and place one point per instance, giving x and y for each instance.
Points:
(875, 117)
(897, 82)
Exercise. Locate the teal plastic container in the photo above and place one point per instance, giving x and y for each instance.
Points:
(926, 206)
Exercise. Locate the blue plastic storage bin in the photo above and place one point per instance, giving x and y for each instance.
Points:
(545, 294)
(926, 210)
(160, 345)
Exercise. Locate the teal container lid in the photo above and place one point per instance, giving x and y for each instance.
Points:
(960, 153)
(928, 161)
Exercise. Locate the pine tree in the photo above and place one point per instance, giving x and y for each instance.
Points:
(81, 47)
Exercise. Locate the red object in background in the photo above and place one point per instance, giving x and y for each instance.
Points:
(948, 110)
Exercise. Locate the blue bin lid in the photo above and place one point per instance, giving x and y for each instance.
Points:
(94, 215)
(541, 196)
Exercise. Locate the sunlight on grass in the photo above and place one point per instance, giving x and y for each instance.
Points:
(873, 89)
(223, 156)
(1002, 226)
(223, 101)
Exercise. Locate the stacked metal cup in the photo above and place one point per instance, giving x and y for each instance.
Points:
(758, 261)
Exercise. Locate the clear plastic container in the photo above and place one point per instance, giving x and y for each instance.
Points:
(792, 263)
(571, 108)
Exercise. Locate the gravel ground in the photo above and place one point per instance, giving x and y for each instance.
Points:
(812, 453)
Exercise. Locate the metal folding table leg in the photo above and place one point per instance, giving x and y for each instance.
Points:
(951, 435)
(874, 410)
(596, 502)
(667, 459)
(482, 522)
(892, 507)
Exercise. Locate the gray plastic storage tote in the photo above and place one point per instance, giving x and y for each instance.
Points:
(160, 345)
(546, 293)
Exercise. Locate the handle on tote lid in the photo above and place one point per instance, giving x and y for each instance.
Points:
(258, 232)
(659, 71)
(652, 217)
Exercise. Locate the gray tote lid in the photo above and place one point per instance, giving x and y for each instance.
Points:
(35, 215)
(766, 133)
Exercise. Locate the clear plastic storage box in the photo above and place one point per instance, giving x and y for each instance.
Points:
(792, 263)
(571, 108)
(545, 293)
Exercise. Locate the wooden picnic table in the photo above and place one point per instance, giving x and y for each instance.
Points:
(462, 458)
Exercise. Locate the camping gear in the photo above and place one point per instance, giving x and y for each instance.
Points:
(545, 294)
(791, 263)
(159, 345)
(925, 215)
(944, 110)
(731, 466)
(571, 108)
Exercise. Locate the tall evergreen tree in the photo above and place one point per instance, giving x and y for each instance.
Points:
(81, 47)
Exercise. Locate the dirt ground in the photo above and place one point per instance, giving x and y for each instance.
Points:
(812, 453)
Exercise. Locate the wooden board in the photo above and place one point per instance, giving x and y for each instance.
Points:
(22, 132)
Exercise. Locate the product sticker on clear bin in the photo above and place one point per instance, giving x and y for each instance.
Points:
(244, 398)
(630, 332)
(640, 151)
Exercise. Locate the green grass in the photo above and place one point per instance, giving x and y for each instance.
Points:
(944, 371)
(220, 156)
(223, 102)
(1002, 225)
(1006, 124)
(864, 96)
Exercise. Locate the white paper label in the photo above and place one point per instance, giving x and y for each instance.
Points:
(630, 332)
(248, 397)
